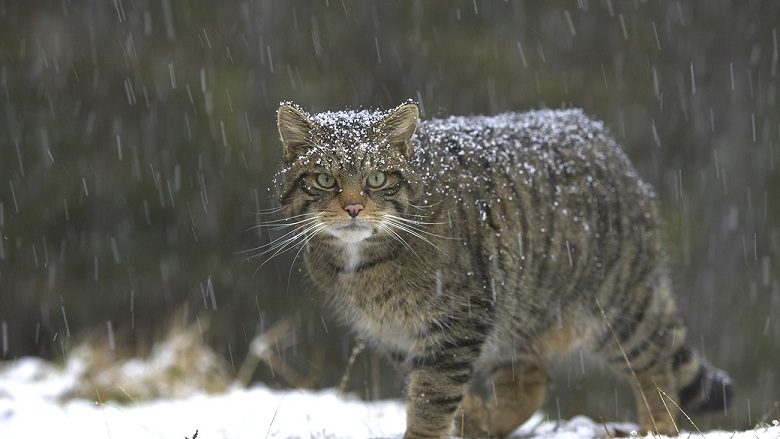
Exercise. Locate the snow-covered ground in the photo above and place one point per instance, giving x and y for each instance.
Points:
(31, 406)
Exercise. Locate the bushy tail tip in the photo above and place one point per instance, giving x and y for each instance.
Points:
(711, 390)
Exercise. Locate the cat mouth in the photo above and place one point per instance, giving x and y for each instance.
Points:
(352, 232)
(354, 227)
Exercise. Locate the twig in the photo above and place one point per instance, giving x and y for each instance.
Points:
(291, 375)
(606, 430)
(768, 416)
(260, 349)
(661, 393)
(633, 373)
(274, 416)
(683, 412)
(345, 378)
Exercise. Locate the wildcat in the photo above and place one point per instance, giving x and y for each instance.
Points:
(471, 249)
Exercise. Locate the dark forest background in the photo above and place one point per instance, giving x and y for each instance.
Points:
(138, 140)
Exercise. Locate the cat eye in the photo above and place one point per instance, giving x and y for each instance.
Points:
(326, 181)
(376, 179)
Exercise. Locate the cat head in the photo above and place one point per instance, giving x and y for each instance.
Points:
(347, 173)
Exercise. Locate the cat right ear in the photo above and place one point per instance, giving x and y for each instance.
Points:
(399, 127)
(296, 131)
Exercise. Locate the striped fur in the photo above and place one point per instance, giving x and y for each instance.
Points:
(494, 243)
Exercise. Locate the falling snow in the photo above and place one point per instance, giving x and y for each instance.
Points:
(138, 150)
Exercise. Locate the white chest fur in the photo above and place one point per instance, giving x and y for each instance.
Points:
(351, 253)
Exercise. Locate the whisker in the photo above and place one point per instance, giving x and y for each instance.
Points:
(282, 220)
(426, 207)
(411, 221)
(274, 227)
(303, 246)
(414, 233)
(289, 245)
(277, 227)
(283, 242)
(386, 228)
(274, 241)
(280, 247)
(418, 215)
(298, 215)
(420, 230)
(268, 211)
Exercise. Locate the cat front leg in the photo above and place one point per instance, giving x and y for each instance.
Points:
(434, 397)
(438, 381)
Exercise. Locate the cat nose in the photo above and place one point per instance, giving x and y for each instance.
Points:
(353, 209)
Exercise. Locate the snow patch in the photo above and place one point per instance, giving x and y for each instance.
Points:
(31, 407)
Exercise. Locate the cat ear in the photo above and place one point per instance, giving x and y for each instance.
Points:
(295, 130)
(399, 127)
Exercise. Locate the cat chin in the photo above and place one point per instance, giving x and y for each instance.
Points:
(352, 235)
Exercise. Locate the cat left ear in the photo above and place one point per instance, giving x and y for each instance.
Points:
(295, 131)
(399, 127)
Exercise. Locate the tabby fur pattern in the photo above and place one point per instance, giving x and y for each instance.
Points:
(472, 249)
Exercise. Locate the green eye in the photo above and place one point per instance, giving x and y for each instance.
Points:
(326, 181)
(376, 179)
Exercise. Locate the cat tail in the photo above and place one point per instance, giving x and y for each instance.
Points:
(703, 388)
